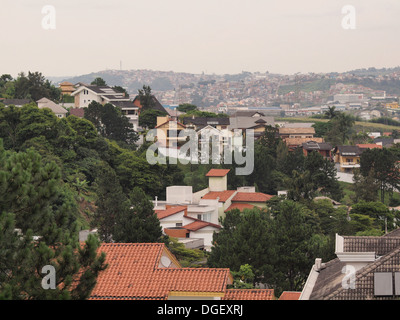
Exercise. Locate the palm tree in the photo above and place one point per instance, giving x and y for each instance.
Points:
(345, 123)
(331, 113)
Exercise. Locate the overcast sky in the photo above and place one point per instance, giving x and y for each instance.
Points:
(212, 36)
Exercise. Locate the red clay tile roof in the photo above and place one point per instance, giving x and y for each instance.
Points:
(222, 195)
(78, 112)
(369, 146)
(199, 224)
(251, 197)
(161, 214)
(290, 295)
(240, 206)
(217, 173)
(249, 294)
(133, 273)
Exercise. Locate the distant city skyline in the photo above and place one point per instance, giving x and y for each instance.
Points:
(221, 37)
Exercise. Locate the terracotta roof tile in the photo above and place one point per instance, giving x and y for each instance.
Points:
(290, 295)
(240, 206)
(133, 273)
(222, 195)
(369, 146)
(199, 224)
(249, 294)
(161, 214)
(251, 197)
(217, 173)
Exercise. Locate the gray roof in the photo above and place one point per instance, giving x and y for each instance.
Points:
(204, 121)
(328, 285)
(249, 122)
(15, 102)
(349, 150)
(52, 106)
(312, 145)
(247, 113)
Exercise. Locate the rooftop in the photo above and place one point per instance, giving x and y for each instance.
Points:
(222, 195)
(149, 271)
(251, 197)
(217, 173)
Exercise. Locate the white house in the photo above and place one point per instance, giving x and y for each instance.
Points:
(85, 94)
(59, 111)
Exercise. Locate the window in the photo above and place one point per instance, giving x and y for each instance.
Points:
(383, 284)
(178, 225)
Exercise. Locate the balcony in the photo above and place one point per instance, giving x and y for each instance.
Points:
(349, 165)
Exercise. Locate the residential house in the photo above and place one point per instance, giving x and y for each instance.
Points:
(365, 268)
(168, 131)
(85, 94)
(296, 132)
(149, 271)
(243, 197)
(193, 218)
(58, 110)
(295, 136)
(323, 148)
(347, 158)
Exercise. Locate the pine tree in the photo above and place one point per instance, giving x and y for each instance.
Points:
(139, 223)
(111, 201)
(39, 228)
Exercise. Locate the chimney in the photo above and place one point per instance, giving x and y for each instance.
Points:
(156, 201)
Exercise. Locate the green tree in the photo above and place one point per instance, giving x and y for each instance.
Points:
(39, 227)
(186, 107)
(146, 98)
(110, 201)
(148, 118)
(245, 238)
(100, 82)
(297, 241)
(381, 164)
(111, 123)
(139, 223)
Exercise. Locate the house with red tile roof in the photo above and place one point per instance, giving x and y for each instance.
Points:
(187, 215)
(149, 271)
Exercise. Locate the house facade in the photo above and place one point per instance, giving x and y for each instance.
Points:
(347, 158)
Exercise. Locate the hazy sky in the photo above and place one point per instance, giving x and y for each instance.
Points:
(214, 36)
